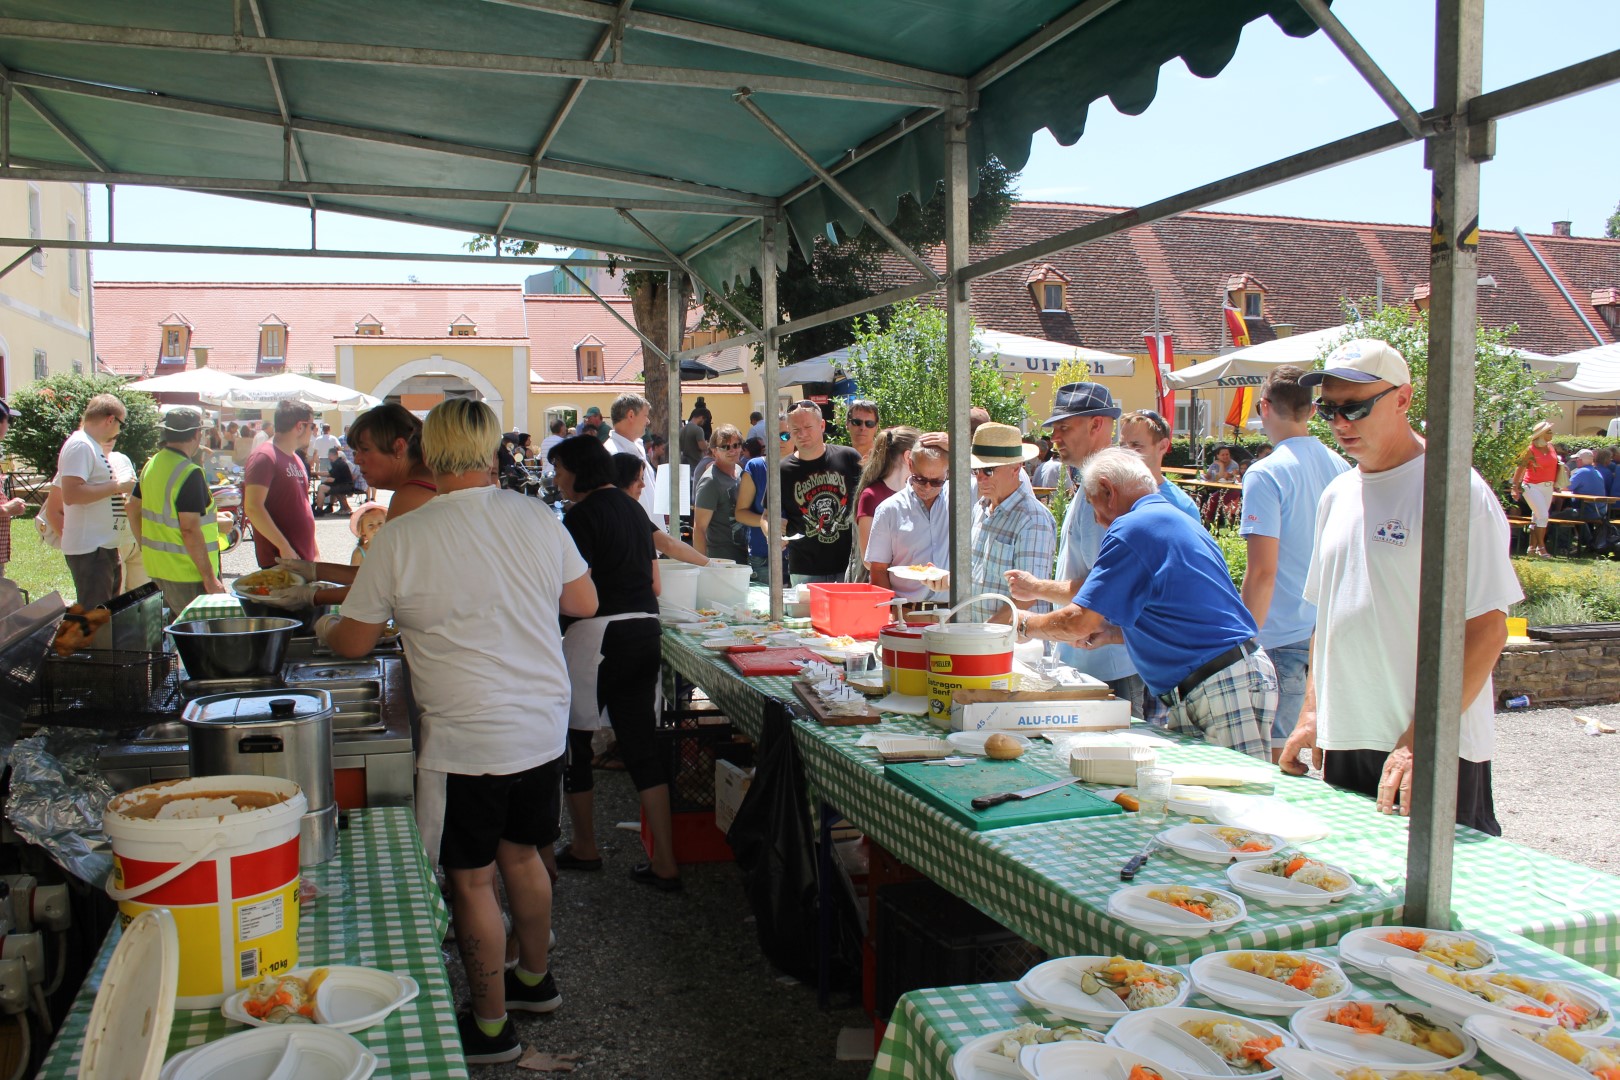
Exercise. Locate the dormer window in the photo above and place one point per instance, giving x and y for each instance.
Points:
(1607, 302)
(272, 344)
(368, 326)
(1245, 293)
(1251, 305)
(463, 327)
(175, 343)
(1420, 297)
(1048, 288)
(588, 359)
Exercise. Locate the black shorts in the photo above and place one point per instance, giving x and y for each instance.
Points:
(1359, 771)
(481, 811)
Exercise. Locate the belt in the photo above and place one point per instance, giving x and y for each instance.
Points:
(1204, 671)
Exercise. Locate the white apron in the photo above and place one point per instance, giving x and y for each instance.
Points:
(582, 652)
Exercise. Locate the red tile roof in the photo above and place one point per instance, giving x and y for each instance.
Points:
(557, 324)
(1187, 264)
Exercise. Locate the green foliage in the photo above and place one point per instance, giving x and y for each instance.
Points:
(1180, 454)
(901, 366)
(1236, 551)
(1593, 584)
(1560, 609)
(34, 566)
(48, 411)
(1612, 228)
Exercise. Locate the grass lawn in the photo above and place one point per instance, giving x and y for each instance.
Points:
(35, 567)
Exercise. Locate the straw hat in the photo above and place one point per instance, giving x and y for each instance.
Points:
(1541, 431)
(999, 444)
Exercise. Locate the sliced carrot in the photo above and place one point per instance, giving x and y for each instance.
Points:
(1295, 865)
(1532, 1010)
(1254, 845)
(1305, 976)
(1408, 939)
(1256, 1049)
(1142, 1072)
(1358, 1016)
(1606, 1074)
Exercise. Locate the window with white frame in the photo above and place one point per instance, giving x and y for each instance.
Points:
(1053, 296)
(78, 367)
(41, 371)
(1184, 417)
(73, 256)
(1251, 305)
(36, 227)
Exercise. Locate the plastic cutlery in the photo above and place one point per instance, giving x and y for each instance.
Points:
(1269, 989)
(1361, 1046)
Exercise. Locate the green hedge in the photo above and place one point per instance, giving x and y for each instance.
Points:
(1180, 454)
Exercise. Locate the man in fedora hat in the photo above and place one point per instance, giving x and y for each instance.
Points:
(172, 515)
(1011, 529)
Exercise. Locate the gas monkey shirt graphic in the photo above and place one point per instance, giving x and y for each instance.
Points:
(820, 504)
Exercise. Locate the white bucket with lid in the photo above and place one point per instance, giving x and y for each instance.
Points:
(678, 584)
(722, 584)
(967, 656)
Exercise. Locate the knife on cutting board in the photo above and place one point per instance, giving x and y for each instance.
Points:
(985, 802)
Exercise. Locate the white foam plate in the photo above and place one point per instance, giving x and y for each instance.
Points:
(1367, 949)
(1132, 905)
(1055, 987)
(307, 1051)
(1264, 813)
(972, 742)
(1256, 884)
(1299, 1064)
(1086, 1061)
(350, 999)
(1199, 842)
(1316, 1032)
(1158, 1034)
(980, 1058)
(1458, 1004)
(1509, 1042)
(906, 573)
(1247, 992)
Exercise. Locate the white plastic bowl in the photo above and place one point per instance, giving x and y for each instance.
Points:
(1316, 1032)
(1458, 1004)
(1509, 1042)
(1145, 1033)
(1071, 1060)
(350, 999)
(1132, 905)
(307, 1051)
(1256, 884)
(1199, 843)
(1055, 987)
(1218, 980)
(1366, 948)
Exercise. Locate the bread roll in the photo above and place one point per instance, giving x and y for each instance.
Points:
(1003, 747)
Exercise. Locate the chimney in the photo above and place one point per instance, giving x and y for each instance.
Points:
(1283, 329)
(1561, 228)
(201, 354)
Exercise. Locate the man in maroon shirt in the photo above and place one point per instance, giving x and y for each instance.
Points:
(276, 495)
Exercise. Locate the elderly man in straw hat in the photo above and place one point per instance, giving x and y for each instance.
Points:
(1011, 529)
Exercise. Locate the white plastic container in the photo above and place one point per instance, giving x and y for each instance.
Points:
(678, 584)
(722, 585)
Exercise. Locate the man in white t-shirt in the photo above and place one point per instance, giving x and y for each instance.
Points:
(89, 535)
(261, 436)
(558, 432)
(475, 579)
(1280, 494)
(320, 447)
(630, 414)
(1363, 579)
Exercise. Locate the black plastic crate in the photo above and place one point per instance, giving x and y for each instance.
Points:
(926, 937)
(693, 748)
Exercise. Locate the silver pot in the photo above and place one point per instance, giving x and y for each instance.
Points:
(232, 648)
(281, 732)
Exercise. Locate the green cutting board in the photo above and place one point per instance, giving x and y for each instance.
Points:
(952, 789)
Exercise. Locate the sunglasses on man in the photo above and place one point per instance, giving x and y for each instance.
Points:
(1351, 410)
(927, 481)
(855, 421)
(989, 470)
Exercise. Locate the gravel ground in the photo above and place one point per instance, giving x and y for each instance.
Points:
(674, 985)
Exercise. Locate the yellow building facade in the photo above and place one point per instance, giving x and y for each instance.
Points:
(45, 301)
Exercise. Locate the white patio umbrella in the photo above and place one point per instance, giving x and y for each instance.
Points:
(1597, 375)
(206, 382)
(319, 395)
(1017, 355)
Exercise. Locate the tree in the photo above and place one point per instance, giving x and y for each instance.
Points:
(1507, 398)
(1612, 230)
(48, 411)
(855, 267)
(901, 366)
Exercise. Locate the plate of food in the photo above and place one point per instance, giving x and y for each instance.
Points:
(347, 998)
(1101, 989)
(1202, 1043)
(1384, 1035)
(1219, 843)
(1177, 910)
(995, 1055)
(1068, 1060)
(1502, 994)
(264, 582)
(1372, 946)
(1289, 879)
(1301, 1064)
(1268, 983)
(926, 573)
(1538, 1053)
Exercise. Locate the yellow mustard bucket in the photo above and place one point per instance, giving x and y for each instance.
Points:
(966, 656)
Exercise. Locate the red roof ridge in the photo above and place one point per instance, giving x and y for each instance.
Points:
(458, 285)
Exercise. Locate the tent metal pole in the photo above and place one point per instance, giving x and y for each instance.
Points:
(19, 260)
(295, 153)
(676, 315)
(55, 122)
(650, 344)
(958, 350)
(460, 60)
(773, 444)
(305, 253)
(745, 99)
(1359, 59)
(1043, 39)
(719, 296)
(1454, 157)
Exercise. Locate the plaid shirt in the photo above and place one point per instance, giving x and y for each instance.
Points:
(1020, 534)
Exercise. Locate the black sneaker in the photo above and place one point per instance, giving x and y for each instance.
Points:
(542, 997)
(481, 1049)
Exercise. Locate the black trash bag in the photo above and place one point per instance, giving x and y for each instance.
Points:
(774, 841)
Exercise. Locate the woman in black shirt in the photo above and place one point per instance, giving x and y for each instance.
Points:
(614, 536)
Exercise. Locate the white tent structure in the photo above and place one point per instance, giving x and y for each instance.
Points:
(1597, 375)
(321, 396)
(1018, 355)
(206, 382)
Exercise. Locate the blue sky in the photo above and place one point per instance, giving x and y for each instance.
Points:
(1278, 96)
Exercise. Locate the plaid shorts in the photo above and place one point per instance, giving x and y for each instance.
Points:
(1233, 707)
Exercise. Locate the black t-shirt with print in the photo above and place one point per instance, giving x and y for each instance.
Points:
(818, 497)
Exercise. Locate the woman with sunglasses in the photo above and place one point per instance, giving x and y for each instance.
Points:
(882, 477)
(715, 530)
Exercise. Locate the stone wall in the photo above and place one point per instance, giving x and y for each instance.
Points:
(1583, 671)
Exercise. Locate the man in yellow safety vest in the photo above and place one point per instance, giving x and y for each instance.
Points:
(172, 514)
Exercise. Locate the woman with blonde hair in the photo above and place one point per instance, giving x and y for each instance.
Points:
(1534, 479)
(884, 474)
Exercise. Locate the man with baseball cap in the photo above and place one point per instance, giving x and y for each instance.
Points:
(1363, 579)
(172, 514)
(1011, 529)
(593, 425)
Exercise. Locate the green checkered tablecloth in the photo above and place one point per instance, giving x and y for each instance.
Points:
(378, 907)
(1050, 882)
(929, 1026)
(211, 606)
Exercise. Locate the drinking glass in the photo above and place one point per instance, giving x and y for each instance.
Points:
(1153, 792)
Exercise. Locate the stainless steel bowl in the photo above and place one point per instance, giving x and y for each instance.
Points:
(232, 648)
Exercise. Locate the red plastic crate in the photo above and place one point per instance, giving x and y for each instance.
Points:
(856, 610)
(696, 838)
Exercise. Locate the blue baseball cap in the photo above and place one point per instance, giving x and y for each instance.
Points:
(1082, 399)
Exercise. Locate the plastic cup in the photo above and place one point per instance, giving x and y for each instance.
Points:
(1153, 792)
